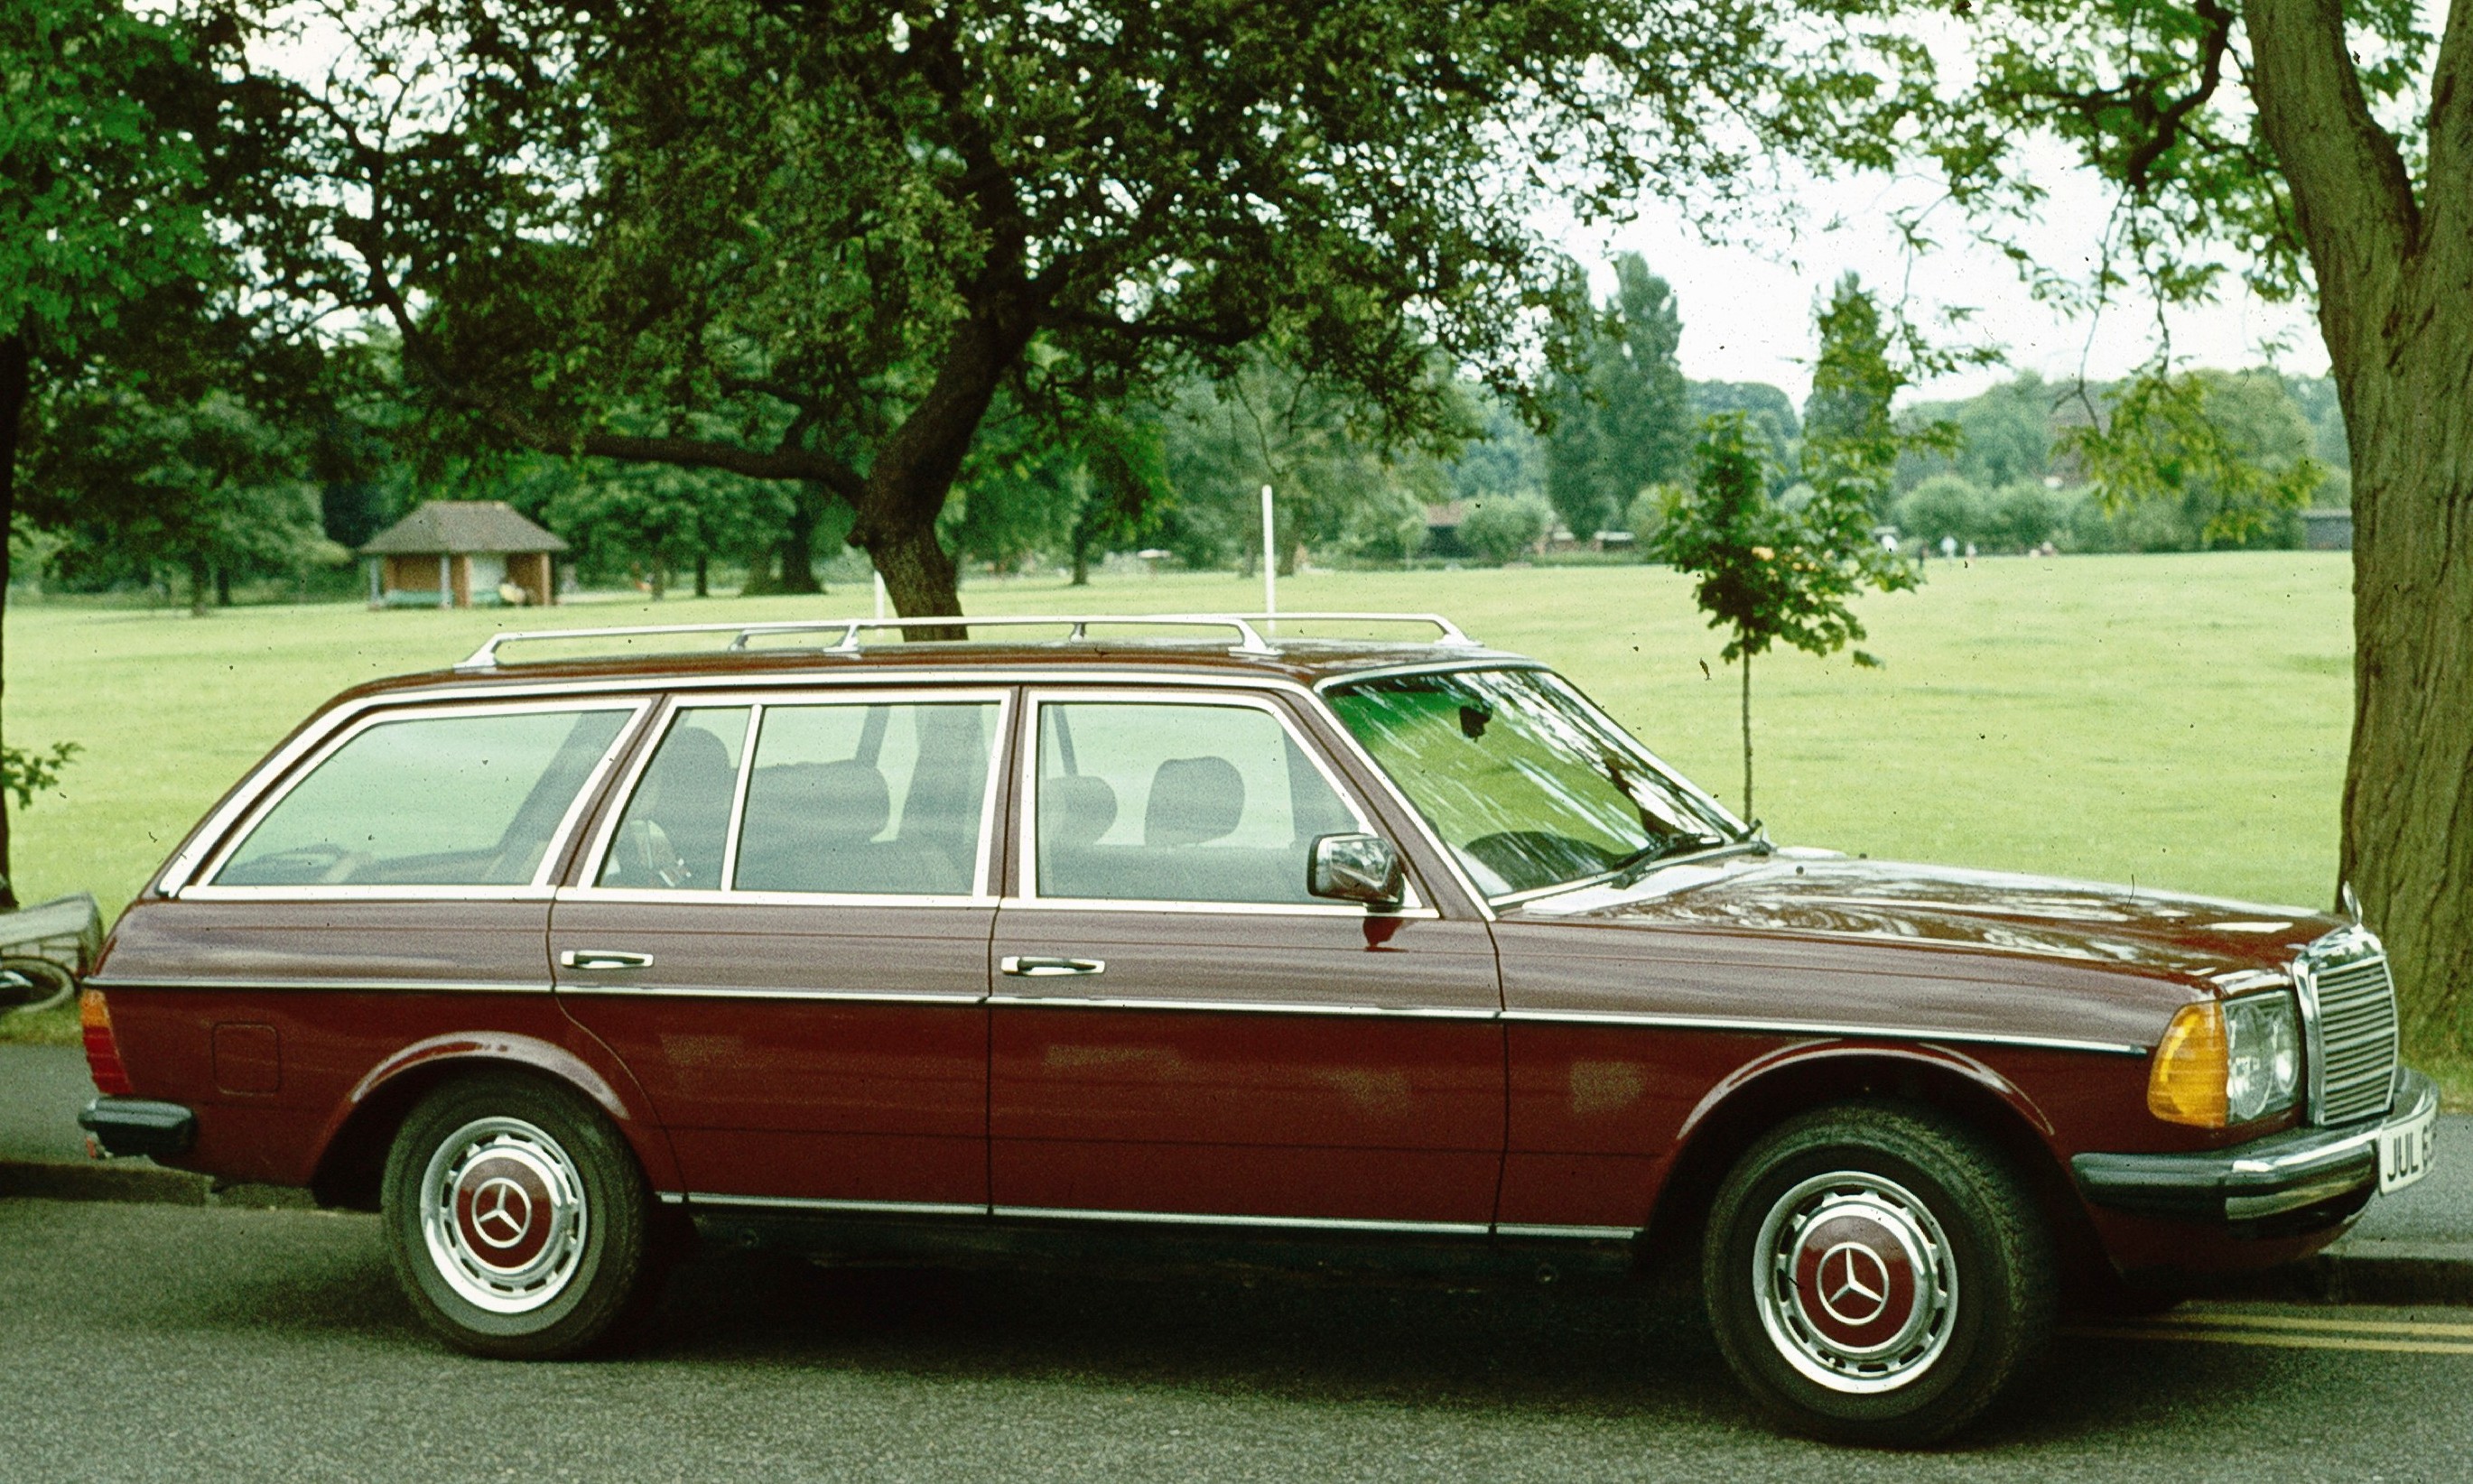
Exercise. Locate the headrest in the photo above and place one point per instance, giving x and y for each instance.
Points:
(690, 761)
(1194, 800)
(1074, 812)
(825, 802)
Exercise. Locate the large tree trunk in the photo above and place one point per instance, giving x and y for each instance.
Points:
(16, 382)
(799, 544)
(2393, 272)
(2407, 841)
(913, 471)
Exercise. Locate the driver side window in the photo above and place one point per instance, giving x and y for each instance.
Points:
(1177, 802)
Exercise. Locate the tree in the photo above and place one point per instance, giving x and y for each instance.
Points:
(1770, 409)
(1621, 418)
(1848, 411)
(1767, 572)
(2227, 454)
(2321, 146)
(99, 173)
(1337, 481)
(201, 487)
(839, 230)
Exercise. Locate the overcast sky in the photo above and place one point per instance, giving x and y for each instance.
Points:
(1747, 310)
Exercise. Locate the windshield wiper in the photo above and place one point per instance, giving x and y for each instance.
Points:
(1639, 863)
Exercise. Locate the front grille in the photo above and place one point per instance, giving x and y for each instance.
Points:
(2352, 1028)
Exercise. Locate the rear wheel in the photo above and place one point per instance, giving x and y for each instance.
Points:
(1876, 1273)
(517, 1219)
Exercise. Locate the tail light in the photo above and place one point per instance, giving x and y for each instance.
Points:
(102, 1051)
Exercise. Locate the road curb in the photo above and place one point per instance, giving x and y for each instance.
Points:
(2371, 1270)
(53, 1179)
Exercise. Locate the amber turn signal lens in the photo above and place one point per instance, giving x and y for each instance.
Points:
(2186, 1082)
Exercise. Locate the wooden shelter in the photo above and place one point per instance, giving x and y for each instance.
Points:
(462, 553)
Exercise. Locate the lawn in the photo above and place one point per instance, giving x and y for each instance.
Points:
(2173, 720)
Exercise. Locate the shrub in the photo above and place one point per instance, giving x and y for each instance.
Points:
(1946, 504)
(1499, 529)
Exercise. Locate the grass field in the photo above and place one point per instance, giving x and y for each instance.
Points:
(2176, 720)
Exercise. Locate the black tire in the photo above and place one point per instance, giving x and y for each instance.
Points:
(518, 1219)
(1946, 1283)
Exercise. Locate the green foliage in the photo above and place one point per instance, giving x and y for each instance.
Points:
(1767, 573)
(1621, 416)
(1501, 529)
(651, 522)
(1946, 506)
(1335, 484)
(814, 240)
(1768, 409)
(96, 182)
(2227, 452)
(201, 487)
(25, 773)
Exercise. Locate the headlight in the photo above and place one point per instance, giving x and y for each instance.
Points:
(2228, 1063)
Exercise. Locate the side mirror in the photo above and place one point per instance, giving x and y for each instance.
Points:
(1357, 868)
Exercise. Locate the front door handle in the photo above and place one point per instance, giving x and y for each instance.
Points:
(602, 959)
(1050, 967)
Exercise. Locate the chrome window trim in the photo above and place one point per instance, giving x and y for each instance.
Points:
(605, 835)
(1026, 845)
(1276, 909)
(248, 811)
(1581, 1234)
(371, 986)
(627, 690)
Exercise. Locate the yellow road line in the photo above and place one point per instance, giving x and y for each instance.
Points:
(2279, 1339)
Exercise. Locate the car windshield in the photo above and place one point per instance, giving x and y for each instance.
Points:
(1528, 784)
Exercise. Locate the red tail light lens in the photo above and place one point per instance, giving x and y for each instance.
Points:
(102, 1052)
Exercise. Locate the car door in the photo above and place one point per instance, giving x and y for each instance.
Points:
(783, 931)
(1179, 1031)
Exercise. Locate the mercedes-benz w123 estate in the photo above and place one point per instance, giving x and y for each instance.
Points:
(1158, 926)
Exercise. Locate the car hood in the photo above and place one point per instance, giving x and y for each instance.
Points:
(1822, 893)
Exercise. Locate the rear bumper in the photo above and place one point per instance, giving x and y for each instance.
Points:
(2334, 1171)
(136, 1125)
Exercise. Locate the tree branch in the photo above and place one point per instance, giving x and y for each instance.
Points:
(2451, 125)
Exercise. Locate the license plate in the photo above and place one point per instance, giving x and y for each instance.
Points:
(2403, 1151)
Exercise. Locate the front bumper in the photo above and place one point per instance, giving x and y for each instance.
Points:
(2334, 1170)
(136, 1125)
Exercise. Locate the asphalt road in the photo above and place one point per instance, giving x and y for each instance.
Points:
(143, 1341)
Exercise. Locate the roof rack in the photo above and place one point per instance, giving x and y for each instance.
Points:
(847, 631)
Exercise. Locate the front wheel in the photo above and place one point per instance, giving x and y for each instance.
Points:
(517, 1219)
(1877, 1274)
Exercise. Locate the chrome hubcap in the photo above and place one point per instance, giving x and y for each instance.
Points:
(503, 1212)
(1855, 1281)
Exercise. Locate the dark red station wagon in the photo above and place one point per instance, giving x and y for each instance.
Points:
(1404, 946)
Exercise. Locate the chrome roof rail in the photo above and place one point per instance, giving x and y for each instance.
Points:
(1249, 641)
(1448, 633)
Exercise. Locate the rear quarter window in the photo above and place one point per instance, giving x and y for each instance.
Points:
(469, 799)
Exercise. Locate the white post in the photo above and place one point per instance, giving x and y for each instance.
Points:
(445, 583)
(880, 596)
(1270, 558)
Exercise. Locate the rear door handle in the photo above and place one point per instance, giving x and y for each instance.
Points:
(1050, 967)
(602, 959)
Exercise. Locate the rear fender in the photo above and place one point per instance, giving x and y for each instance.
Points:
(354, 1148)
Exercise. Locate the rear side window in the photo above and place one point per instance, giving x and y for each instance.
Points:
(474, 798)
(877, 800)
